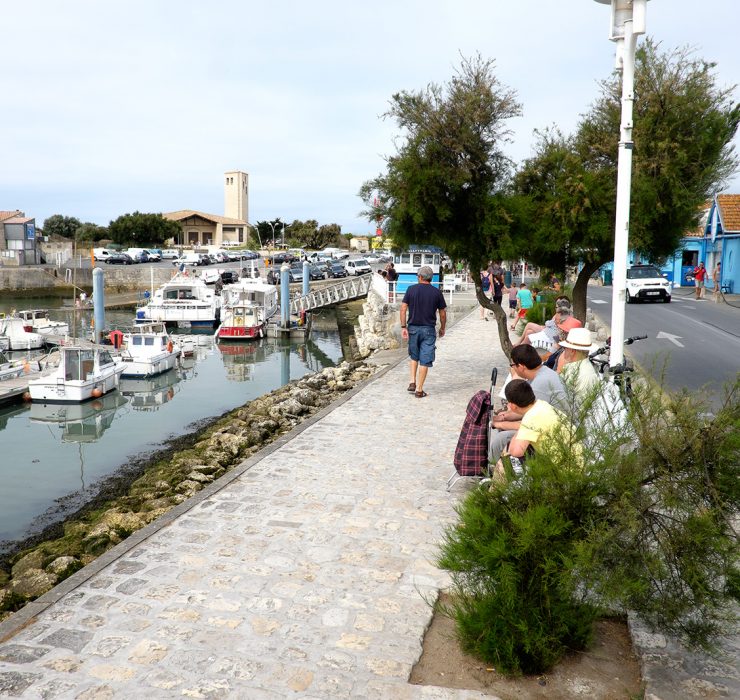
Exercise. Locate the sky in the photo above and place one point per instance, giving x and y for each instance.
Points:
(112, 106)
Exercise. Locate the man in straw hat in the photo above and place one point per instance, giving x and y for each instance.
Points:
(577, 369)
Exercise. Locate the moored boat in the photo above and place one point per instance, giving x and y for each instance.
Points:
(185, 300)
(74, 373)
(38, 321)
(14, 336)
(148, 350)
(246, 308)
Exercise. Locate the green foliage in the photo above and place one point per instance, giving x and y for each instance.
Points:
(58, 225)
(139, 229)
(308, 234)
(645, 525)
(91, 233)
(442, 185)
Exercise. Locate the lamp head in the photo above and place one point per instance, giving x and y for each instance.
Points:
(626, 11)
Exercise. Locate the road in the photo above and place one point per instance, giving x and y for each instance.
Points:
(691, 344)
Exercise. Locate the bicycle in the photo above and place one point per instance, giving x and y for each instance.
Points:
(621, 374)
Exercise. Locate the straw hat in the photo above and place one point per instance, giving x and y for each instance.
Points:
(579, 339)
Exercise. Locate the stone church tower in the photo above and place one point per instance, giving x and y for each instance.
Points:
(236, 195)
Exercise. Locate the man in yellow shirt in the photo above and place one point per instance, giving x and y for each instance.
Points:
(539, 422)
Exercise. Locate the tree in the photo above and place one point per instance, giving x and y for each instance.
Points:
(683, 127)
(445, 185)
(142, 229)
(58, 225)
(91, 232)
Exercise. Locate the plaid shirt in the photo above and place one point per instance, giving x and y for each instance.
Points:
(471, 454)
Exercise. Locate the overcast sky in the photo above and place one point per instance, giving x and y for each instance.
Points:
(114, 106)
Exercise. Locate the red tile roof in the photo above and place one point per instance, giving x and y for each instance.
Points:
(10, 214)
(729, 210)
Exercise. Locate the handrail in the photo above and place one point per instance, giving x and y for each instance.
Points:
(347, 290)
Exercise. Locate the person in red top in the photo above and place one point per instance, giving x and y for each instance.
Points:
(700, 278)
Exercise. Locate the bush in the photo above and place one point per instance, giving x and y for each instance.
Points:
(534, 561)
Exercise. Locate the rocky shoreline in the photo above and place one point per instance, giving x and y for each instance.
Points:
(170, 477)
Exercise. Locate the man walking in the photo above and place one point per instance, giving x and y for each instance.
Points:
(700, 278)
(716, 281)
(420, 304)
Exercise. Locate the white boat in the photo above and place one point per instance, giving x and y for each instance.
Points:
(185, 300)
(14, 336)
(148, 350)
(10, 369)
(73, 374)
(245, 309)
(38, 321)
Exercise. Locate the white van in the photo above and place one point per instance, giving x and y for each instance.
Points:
(101, 253)
(360, 266)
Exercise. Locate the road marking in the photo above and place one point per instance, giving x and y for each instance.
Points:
(598, 301)
(669, 336)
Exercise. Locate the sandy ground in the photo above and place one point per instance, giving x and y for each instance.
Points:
(607, 671)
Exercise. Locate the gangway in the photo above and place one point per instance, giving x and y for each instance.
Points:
(347, 290)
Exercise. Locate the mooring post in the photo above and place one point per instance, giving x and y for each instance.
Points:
(98, 303)
(285, 296)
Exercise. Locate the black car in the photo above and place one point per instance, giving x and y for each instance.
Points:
(316, 272)
(336, 269)
(280, 258)
(229, 276)
(119, 259)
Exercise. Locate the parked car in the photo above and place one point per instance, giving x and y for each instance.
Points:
(316, 272)
(249, 255)
(101, 253)
(647, 283)
(155, 254)
(190, 259)
(385, 257)
(279, 258)
(357, 267)
(335, 269)
(296, 273)
(119, 259)
(272, 277)
(170, 254)
(372, 259)
(221, 256)
(229, 276)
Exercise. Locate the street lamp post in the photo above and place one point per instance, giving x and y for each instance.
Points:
(627, 23)
(272, 226)
(256, 228)
(283, 232)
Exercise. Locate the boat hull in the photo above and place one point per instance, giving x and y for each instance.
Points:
(241, 332)
(151, 367)
(53, 389)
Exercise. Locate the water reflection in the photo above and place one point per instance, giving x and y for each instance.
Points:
(241, 358)
(152, 393)
(80, 422)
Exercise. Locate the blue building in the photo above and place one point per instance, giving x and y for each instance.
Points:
(715, 240)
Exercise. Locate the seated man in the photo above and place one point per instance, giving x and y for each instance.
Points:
(562, 319)
(574, 366)
(546, 384)
(539, 422)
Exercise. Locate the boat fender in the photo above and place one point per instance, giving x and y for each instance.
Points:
(262, 332)
(169, 346)
(97, 393)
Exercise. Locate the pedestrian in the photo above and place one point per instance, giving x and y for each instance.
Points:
(485, 283)
(716, 281)
(391, 274)
(511, 291)
(420, 304)
(700, 278)
(525, 301)
(498, 289)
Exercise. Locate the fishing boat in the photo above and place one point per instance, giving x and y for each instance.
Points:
(184, 301)
(14, 336)
(10, 369)
(148, 350)
(76, 373)
(38, 321)
(246, 308)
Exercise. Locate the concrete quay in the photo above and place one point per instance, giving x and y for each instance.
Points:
(287, 577)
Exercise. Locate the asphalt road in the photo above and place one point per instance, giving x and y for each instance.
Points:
(691, 344)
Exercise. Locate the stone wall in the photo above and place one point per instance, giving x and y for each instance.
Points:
(118, 278)
(378, 328)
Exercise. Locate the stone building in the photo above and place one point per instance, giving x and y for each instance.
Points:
(199, 229)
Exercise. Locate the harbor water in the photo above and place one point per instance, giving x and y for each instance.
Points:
(54, 457)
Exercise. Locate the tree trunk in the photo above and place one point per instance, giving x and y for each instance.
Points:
(580, 288)
(502, 320)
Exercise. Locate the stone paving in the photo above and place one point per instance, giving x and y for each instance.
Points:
(308, 572)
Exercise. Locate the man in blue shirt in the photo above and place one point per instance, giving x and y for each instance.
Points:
(420, 304)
